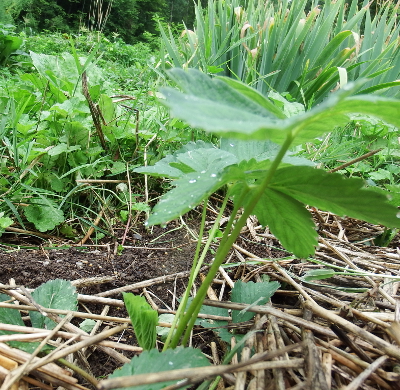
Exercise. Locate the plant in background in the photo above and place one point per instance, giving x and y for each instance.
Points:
(9, 43)
(284, 48)
(260, 176)
(48, 139)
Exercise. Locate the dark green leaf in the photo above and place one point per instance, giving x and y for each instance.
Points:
(289, 221)
(13, 317)
(155, 361)
(333, 192)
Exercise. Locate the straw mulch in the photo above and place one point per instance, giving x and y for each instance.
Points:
(320, 334)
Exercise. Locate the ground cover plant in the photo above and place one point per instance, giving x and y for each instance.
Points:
(285, 148)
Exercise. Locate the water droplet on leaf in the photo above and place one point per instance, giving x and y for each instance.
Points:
(192, 181)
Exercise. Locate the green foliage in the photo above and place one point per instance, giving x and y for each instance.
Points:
(253, 294)
(144, 319)
(54, 294)
(282, 47)
(154, 361)
(48, 141)
(9, 44)
(277, 193)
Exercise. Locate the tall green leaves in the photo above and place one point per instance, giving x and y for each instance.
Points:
(276, 193)
(284, 48)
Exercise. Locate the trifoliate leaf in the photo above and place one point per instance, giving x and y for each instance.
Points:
(189, 191)
(155, 361)
(54, 294)
(335, 193)
(253, 294)
(144, 319)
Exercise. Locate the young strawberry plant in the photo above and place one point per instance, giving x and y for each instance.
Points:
(254, 163)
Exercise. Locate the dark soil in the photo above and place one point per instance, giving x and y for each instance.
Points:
(157, 253)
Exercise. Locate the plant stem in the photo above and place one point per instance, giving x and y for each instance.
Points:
(186, 324)
(197, 263)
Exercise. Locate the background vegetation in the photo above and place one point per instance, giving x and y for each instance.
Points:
(54, 145)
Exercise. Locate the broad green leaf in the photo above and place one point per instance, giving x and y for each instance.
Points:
(13, 317)
(144, 319)
(44, 216)
(107, 108)
(318, 274)
(261, 151)
(171, 166)
(162, 168)
(155, 361)
(54, 294)
(289, 221)
(254, 95)
(5, 222)
(189, 191)
(253, 294)
(335, 193)
(216, 107)
(161, 330)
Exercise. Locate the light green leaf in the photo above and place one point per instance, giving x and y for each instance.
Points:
(335, 193)
(87, 325)
(318, 274)
(144, 319)
(5, 222)
(215, 106)
(289, 221)
(54, 294)
(189, 191)
(44, 216)
(13, 317)
(172, 166)
(155, 361)
(253, 294)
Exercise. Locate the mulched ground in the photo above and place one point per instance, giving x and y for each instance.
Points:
(326, 359)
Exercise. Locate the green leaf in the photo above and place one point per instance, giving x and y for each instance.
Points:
(144, 319)
(215, 106)
(189, 191)
(253, 294)
(155, 361)
(318, 274)
(54, 294)
(87, 325)
(289, 221)
(172, 166)
(5, 222)
(335, 193)
(13, 317)
(44, 216)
